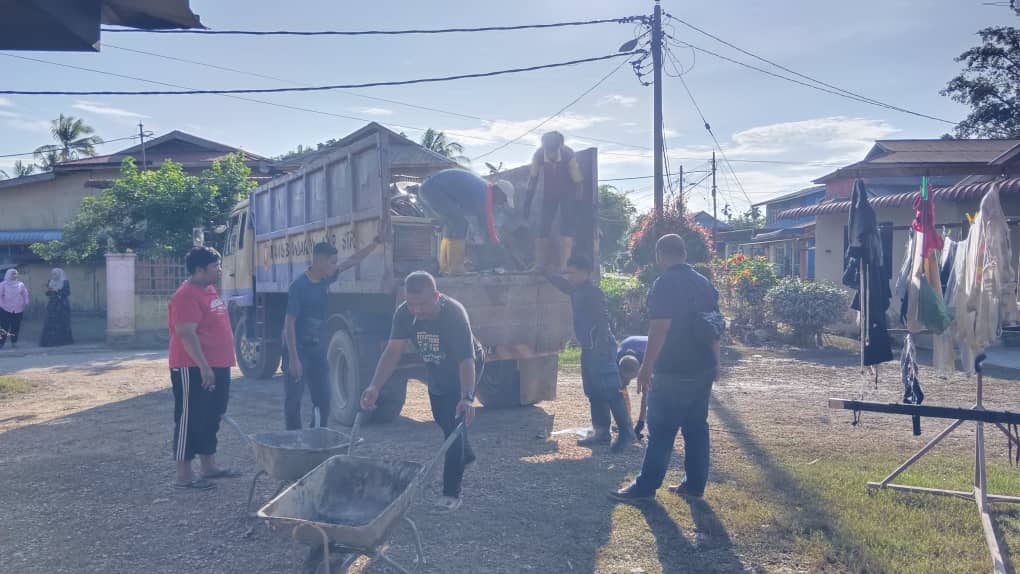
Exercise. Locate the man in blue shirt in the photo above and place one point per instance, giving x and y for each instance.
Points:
(681, 363)
(599, 371)
(304, 362)
(455, 195)
(630, 356)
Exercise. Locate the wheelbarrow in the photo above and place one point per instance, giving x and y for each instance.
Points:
(286, 456)
(349, 506)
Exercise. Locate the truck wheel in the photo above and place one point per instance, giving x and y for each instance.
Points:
(344, 379)
(391, 400)
(500, 386)
(256, 358)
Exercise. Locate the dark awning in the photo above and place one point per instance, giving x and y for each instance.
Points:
(955, 193)
(29, 236)
(73, 25)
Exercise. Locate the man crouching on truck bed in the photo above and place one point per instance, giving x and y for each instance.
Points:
(304, 363)
(441, 330)
(455, 195)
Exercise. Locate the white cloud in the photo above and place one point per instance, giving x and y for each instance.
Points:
(500, 131)
(6, 114)
(629, 124)
(4, 102)
(23, 124)
(375, 111)
(105, 110)
(618, 100)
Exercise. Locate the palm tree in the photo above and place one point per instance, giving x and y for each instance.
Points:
(436, 141)
(74, 140)
(21, 169)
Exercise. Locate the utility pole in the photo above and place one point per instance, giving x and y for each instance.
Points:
(141, 136)
(680, 191)
(715, 216)
(657, 105)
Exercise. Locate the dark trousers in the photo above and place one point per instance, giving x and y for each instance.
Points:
(197, 411)
(567, 207)
(444, 411)
(455, 222)
(600, 378)
(315, 376)
(677, 405)
(10, 324)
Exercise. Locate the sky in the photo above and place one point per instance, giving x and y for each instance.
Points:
(897, 51)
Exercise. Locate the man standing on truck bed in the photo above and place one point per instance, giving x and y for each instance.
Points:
(305, 363)
(441, 330)
(455, 195)
(561, 177)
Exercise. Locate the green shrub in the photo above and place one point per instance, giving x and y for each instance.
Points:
(806, 307)
(742, 282)
(627, 313)
(705, 269)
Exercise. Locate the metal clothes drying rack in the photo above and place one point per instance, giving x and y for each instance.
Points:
(977, 414)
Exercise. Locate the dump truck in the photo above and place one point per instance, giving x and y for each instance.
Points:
(347, 195)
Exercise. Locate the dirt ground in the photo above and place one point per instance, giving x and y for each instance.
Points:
(85, 474)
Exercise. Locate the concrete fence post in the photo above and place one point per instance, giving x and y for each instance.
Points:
(120, 298)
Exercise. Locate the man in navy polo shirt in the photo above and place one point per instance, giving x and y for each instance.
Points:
(681, 363)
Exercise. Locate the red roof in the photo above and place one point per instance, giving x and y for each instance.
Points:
(959, 192)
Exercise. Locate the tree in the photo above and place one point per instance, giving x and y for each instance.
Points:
(74, 139)
(990, 85)
(436, 141)
(651, 227)
(21, 169)
(151, 212)
(750, 219)
(616, 218)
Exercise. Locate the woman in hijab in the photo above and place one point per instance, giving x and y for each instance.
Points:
(57, 329)
(13, 300)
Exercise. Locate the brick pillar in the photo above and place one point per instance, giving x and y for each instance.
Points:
(120, 298)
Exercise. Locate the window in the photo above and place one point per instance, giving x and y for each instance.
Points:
(241, 230)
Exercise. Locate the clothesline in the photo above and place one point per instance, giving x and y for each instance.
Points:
(1011, 222)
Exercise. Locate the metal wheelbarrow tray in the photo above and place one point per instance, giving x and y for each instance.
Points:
(353, 504)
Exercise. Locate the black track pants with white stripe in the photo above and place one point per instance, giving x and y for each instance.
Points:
(197, 411)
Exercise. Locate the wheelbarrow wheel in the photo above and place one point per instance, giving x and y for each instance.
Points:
(339, 562)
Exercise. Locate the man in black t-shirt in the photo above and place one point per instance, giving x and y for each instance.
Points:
(304, 362)
(439, 327)
(680, 365)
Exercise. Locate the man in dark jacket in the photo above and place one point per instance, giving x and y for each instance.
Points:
(681, 363)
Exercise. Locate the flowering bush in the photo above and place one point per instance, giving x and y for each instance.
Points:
(806, 307)
(650, 228)
(742, 282)
(627, 313)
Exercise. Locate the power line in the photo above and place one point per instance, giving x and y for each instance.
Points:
(32, 153)
(205, 32)
(555, 115)
(798, 74)
(313, 88)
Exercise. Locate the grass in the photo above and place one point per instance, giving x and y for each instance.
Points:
(817, 517)
(570, 357)
(10, 386)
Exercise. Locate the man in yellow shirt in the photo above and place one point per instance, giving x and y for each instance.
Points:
(557, 166)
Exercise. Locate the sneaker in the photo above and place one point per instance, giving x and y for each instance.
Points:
(623, 442)
(601, 437)
(630, 494)
(681, 490)
(448, 504)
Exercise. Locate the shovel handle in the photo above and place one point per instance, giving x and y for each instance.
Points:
(237, 427)
(354, 431)
(427, 471)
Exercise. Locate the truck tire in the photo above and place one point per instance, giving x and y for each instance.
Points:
(500, 386)
(344, 378)
(391, 400)
(256, 358)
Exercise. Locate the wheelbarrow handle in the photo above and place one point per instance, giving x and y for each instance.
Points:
(354, 431)
(427, 471)
(237, 427)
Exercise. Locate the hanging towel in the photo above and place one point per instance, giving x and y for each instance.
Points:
(924, 222)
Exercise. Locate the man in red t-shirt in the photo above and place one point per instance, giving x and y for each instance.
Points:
(201, 354)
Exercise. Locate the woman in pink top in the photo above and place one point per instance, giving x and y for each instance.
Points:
(13, 300)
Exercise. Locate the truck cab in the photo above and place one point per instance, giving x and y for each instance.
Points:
(347, 195)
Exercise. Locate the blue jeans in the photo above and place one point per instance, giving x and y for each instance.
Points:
(600, 377)
(677, 405)
(455, 217)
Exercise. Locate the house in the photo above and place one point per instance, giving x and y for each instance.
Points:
(961, 172)
(705, 219)
(788, 244)
(35, 208)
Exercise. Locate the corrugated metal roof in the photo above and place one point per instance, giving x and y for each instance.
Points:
(27, 236)
(954, 193)
(927, 157)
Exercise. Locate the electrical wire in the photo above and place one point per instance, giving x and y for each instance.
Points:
(104, 142)
(207, 32)
(854, 95)
(311, 88)
(555, 115)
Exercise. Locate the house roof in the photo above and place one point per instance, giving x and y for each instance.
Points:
(930, 157)
(953, 193)
(184, 148)
(793, 195)
(26, 179)
(705, 219)
(28, 236)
